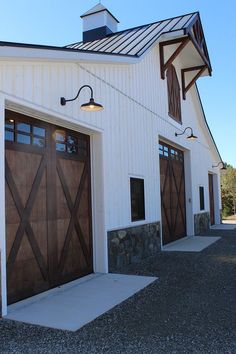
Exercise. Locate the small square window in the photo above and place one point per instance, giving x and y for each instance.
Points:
(9, 123)
(23, 127)
(60, 135)
(137, 199)
(39, 131)
(201, 198)
(38, 142)
(23, 139)
(61, 147)
(72, 144)
(9, 136)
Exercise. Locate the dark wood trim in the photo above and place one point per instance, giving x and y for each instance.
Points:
(174, 97)
(24, 148)
(51, 205)
(73, 208)
(24, 214)
(194, 33)
(183, 42)
(185, 88)
(200, 47)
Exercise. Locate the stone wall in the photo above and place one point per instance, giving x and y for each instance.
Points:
(201, 223)
(130, 245)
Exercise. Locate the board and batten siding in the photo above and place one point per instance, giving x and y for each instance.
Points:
(134, 118)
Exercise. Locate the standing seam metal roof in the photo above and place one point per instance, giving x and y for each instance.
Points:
(135, 41)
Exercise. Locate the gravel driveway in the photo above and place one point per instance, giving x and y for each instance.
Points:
(190, 309)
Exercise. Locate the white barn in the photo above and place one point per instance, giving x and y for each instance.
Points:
(85, 192)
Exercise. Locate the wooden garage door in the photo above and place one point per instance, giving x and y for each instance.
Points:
(172, 193)
(48, 206)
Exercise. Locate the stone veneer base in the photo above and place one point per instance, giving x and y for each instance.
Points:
(131, 245)
(201, 223)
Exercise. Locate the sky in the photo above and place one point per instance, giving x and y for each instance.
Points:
(57, 22)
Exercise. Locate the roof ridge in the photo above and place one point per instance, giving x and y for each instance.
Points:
(153, 23)
(141, 26)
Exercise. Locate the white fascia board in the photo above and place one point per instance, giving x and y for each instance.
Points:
(24, 53)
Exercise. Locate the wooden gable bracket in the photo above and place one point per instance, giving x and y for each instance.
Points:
(199, 70)
(164, 65)
(195, 32)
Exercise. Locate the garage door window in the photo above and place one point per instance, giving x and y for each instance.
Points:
(70, 144)
(24, 133)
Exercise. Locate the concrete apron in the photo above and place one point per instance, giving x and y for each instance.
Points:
(71, 306)
(190, 244)
(229, 225)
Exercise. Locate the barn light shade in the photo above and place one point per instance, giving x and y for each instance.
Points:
(189, 137)
(223, 165)
(192, 137)
(90, 106)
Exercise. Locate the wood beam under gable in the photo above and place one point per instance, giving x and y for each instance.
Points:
(164, 64)
(186, 86)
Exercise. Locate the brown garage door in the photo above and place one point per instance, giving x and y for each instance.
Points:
(48, 206)
(172, 193)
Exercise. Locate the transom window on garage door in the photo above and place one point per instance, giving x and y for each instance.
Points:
(69, 143)
(170, 152)
(23, 132)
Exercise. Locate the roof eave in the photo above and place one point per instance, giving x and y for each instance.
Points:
(23, 51)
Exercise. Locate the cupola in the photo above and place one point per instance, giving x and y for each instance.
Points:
(98, 22)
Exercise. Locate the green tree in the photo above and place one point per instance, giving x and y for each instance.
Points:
(228, 191)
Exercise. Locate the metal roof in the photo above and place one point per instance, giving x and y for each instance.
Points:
(135, 41)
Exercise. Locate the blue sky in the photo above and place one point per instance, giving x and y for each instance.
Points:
(57, 22)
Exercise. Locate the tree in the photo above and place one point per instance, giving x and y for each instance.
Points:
(228, 191)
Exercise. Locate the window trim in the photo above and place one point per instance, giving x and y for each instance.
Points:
(142, 215)
(201, 198)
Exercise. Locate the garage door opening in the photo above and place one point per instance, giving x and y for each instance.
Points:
(172, 184)
(48, 206)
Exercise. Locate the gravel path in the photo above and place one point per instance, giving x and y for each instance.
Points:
(190, 309)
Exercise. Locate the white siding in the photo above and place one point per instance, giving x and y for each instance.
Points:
(135, 115)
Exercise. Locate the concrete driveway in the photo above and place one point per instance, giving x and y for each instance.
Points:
(191, 309)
